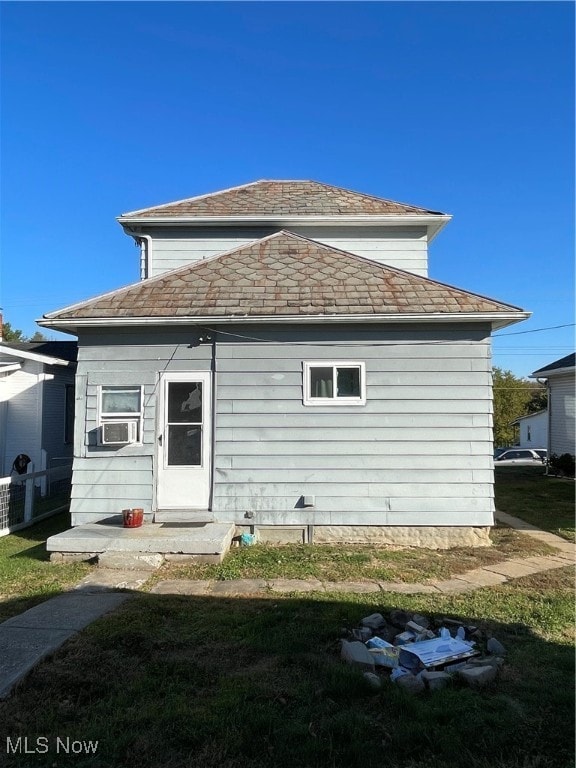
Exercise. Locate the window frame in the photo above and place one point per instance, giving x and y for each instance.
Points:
(307, 398)
(107, 417)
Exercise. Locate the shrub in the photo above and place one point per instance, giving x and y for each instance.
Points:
(562, 465)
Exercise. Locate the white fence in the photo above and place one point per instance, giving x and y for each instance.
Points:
(25, 499)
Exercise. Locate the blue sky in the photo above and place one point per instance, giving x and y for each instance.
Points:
(462, 107)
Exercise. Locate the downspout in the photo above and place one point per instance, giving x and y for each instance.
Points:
(546, 382)
(213, 405)
(145, 243)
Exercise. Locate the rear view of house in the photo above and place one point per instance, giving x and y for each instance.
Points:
(286, 365)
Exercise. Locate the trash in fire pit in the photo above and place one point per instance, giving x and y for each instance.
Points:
(404, 647)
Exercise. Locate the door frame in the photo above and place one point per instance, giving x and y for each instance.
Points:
(207, 379)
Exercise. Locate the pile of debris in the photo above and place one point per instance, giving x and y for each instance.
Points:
(421, 654)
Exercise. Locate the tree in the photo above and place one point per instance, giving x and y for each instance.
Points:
(13, 334)
(513, 397)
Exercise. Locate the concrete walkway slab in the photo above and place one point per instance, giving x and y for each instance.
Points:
(358, 587)
(28, 638)
(479, 577)
(182, 587)
(514, 569)
(296, 585)
(104, 580)
(453, 586)
(21, 650)
(407, 589)
(239, 587)
(69, 611)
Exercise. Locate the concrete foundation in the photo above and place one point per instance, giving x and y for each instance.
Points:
(427, 537)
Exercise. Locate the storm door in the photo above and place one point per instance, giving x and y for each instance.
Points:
(184, 441)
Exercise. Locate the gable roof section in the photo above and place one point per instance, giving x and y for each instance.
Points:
(282, 277)
(564, 365)
(281, 198)
(62, 353)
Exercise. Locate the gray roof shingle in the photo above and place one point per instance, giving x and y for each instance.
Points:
(283, 275)
(565, 362)
(281, 198)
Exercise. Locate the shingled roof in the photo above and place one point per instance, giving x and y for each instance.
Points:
(281, 198)
(282, 275)
(565, 362)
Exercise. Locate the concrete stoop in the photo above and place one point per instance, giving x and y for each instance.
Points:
(144, 548)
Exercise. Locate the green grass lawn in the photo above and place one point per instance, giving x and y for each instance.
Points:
(546, 502)
(357, 562)
(186, 682)
(26, 574)
(257, 683)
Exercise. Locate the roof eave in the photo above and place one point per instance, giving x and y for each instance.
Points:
(433, 222)
(497, 320)
(46, 359)
(547, 374)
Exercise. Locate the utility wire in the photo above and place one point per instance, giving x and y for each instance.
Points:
(535, 330)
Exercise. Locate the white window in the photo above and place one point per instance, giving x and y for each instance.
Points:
(334, 383)
(120, 415)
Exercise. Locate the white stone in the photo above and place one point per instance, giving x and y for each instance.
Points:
(478, 677)
(357, 654)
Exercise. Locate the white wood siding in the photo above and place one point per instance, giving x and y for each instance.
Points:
(562, 414)
(533, 431)
(403, 248)
(22, 392)
(418, 453)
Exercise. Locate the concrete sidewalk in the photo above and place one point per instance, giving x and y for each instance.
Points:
(26, 639)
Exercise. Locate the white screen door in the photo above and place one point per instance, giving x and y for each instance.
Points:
(184, 441)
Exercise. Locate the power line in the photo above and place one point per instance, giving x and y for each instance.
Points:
(535, 330)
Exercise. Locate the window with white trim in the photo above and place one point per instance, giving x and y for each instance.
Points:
(119, 405)
(328, 382)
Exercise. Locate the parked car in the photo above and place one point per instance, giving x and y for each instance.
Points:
(521, 456)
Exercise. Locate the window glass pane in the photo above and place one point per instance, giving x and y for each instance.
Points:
(120, 400)
(321, 382)
(348, 382)
(185, 402)
(184, 445)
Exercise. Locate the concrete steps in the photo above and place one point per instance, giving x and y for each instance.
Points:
(208, 542)
(183, 516)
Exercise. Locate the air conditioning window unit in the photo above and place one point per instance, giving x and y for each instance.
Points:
(118, 432)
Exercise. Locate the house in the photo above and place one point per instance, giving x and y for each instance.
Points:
(36, 403)
(560, 380)
(532, 430)
(285, 364)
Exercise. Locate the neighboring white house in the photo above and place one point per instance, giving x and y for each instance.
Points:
(532, 430)
(561, 382)
(285, 360)
(36, 402)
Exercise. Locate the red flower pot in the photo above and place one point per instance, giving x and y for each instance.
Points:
(133, 518)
